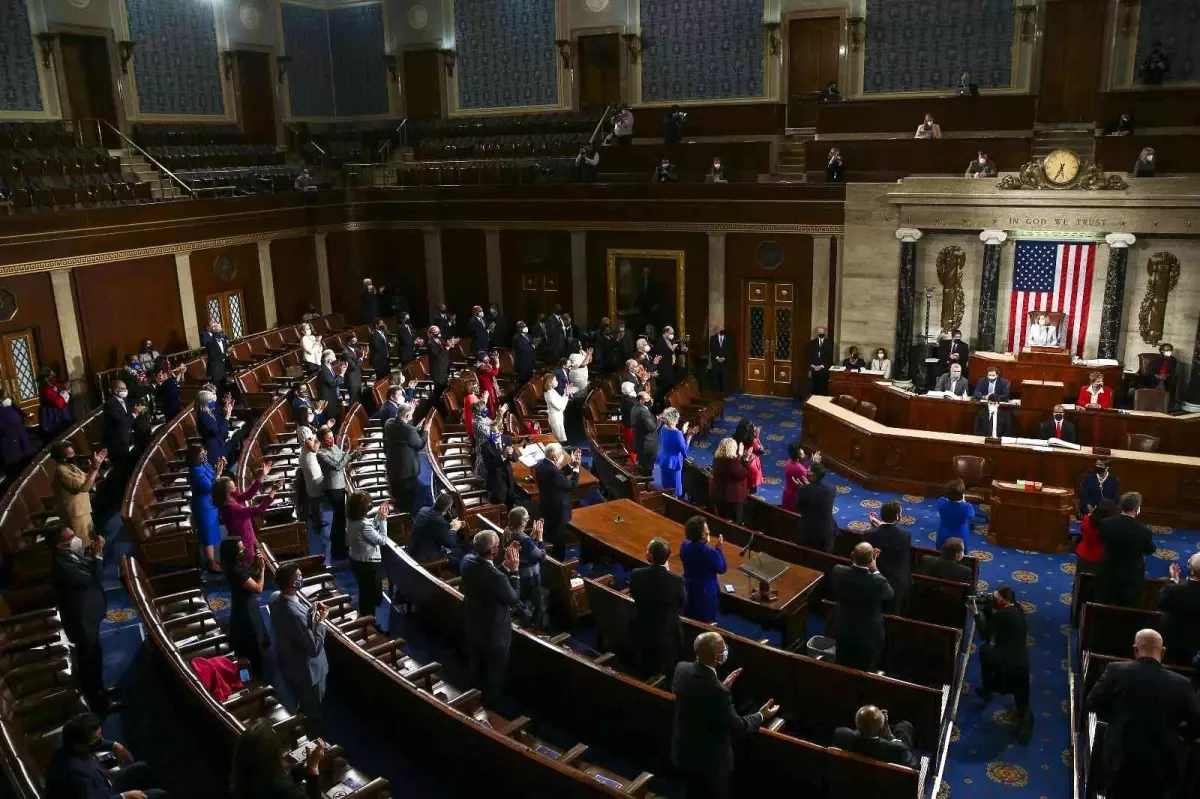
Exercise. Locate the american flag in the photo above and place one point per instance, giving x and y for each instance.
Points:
(1052, 276)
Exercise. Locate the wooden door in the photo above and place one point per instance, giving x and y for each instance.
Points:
(539, 292)
(422, 84)
(88, 78)
(19, 368)
(599, 70)
(1072, 61)
(256, 96)
(770, 352)
(229, 309)
(813, 54)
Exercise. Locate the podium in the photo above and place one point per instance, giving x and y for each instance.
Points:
(1041, 395)
(1045, 356)
(1037, 520)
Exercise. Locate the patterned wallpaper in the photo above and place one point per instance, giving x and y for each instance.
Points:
(360, 78)
(927, 45)
(1175, 23)
(505, 53)
(702, 49)
(310, 72)
(175, 63)
(19, 87)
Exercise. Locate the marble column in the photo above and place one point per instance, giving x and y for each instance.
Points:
(716, 282)
(68, 326)
(906, 304)
(266, 276)
(819, 314)
(495, 279)
(989, 290)
(1191, 398)
(323, 292)
(1114, 293)
(579, 287)
(187, 299)
(435, 286)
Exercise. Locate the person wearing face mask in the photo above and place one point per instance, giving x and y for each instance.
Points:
(76, 573)
(477, 331)
(928, 129)
(310, 348)
(556, 405)
(1145, 166)
(952, 350)
(216, 350)
(435, 531)
(15, 448)
(201, 477)
(557, 477)
(881, 364)
(954, 383)
(1121, 126)
(54, 415)
(991, 385)
(524, 354)
(329, 378)
(673, 444)
(72, 488)
(497, 324)
(166, 389)
(706, 720)
(1121, 577)
(1042, 333)
(1098, 486)
(441, 319)
(853, 361)
(665, 172)
(380, 347)
(236, 511)
(1057, 426)
(487, 369)
(965, 88)
(992, 421)
(245, 580)
(366, 533)
(716, 173)
(119, 418)
(645, 433)
(369, 299)
(352, 375)
(334, 460)
(835, 166)
(667, 349)
(820, 358)
(148, 355)
(981, 167)
(496, 457)
(439, 361)
(1095, 394)
(212, 423)
(703, 559)
(406, 338)
(1162, 371)
(403, 442)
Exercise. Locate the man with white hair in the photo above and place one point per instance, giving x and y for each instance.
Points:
(402, 445)
(216, 347)
(1179, 602)
(1145, 706)
(557, 478)
(490, 597)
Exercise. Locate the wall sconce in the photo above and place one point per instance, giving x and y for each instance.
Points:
(565, 51)
(392, 63)
(1127, 9)
(448, 59)
(633, 45)
(772, 30)
(125, 50)
(46, 41)
(1026, 11)
(228, 59)
(854, 26)
(281, 64)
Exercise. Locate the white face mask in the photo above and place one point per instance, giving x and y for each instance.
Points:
(669, 337)
(724, 656)
(1166, 354)
(8, 402)
(122, 394)
(76, 545)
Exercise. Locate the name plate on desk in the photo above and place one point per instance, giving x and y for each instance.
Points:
(993, 442)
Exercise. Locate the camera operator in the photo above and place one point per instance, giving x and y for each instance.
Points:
(835, 167)
(1004, 652)
(588, 163)
(673, 127)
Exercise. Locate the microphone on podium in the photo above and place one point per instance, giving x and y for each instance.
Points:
(746, 549)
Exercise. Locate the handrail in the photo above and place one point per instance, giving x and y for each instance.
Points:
(385, 150)
(306, 139)
(153, 161)
(599, 125)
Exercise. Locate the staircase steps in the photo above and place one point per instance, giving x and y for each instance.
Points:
(791, 159)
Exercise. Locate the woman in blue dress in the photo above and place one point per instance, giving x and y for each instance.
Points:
(702, 563)
(201, 476)
(672, 450)
(166, 389)
(212, 424)
(954, 515)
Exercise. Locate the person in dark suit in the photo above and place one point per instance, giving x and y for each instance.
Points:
(403, 443)
(860, 591)
(645, 433)
(329, 377)
(720, 357)
(873, 737)
(1004, 653)
(258, 766)
(298, 632)
(894, 545)
(75, 771)
(380, 355)
(497, 325)
(369, 300)
(353, 369)
(626, 344)
(76, 572)
(524, 354)
(835, 167)
(948, 565)
(992, 420)
(119, 419)
(498, 458)
(1163, 370)
(659, 597)
(953, 382)
(435, 530)
(391, 406)
(441, 320)
(1179, 602)
(992, 385)
(706, 721)
(953, 350)
(814, 503)
(556, 334)
(666, 347)
(490, 595)
(212, 423)
(1122, 573)
(1057, 426)
(439, 361)
(1098, 486)
(1145, 706)
(820, 358)
(216, 348)
(557, 478)
(477, 329)
(853, 362)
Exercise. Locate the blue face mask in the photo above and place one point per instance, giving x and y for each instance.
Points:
(212, 404)
(495, 438)
(135, 366)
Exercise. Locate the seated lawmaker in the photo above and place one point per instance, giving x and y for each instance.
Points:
(872, 737)
(75, 770)
(853, 361)
(992, 420)
(716, 172)
(835, 167)
(954, 382)
(948, 565)
(928, 129)
(1057, 426)
(992, 385)
(1121, 126)
(1042, 333)
(1095, 394)
(880, 363)
(1163, 371)
(981, 167)
(1145, 166)
(665, 172)
(831, 94)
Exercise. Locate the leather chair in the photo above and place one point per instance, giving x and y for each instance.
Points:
(973, 471)
(867, 410)
(846, 401)
(1140, 442)
(1150, 399)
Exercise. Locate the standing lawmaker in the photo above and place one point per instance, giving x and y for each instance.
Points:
(858, 619)
(490, 595)
(659, 596)
(820, 358)
(1122, 573)
(299, 634)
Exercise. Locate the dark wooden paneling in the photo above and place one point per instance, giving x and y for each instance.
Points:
(35, 309)
(246, 279)
(121, 304)
(1072, 62)
(422, 84)
(256, 96)
(599, 71)
(891, 159)
(813, 58)
(464, 270)
(389, 257)
(741, 264)
(715, 120)
(294, 269)
(742, 160)
(1174, 154)
(535, 254)
(1153, 108)
(986, 112)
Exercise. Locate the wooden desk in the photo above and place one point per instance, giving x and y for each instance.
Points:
(922, 462)
(629, 538)
(857, 384)
(1072, 377)
(1036, 520)
(523, 475)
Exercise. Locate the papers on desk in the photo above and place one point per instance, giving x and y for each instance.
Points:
(1058, 442)
(947, 395)
(1098, 362)
(532, 454)
(1040, 444)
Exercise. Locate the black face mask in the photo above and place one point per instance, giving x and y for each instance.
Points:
(1101, 470)
(1058, 417)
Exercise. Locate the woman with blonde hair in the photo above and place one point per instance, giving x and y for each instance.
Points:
(729, 475)
(556, 406)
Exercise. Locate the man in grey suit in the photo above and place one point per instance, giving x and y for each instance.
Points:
(491, 595)
(954, 382)
(706, 720)
(333, 460)
(299, 634)
(402, 445)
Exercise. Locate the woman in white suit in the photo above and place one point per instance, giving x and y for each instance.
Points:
(556, 406)
(880, 363)
(1041, 334)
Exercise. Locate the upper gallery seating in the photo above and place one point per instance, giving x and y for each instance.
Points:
(217, 159)
(524, 135)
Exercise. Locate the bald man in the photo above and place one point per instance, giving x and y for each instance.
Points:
(860, 591)
(1180, 603)
(706, 721)
(1144, 705)
(873, 736)
(490, 596)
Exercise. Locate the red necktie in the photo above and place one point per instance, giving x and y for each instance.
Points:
(1058, 429)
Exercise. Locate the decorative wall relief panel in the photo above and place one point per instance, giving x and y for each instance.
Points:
(505, 53)
(356, 44)
(175, 66)
(1164, 277)
(950, 264)
(927, 45)
(310, 72)
(701, 49)
(1175, 23)
(19, 89)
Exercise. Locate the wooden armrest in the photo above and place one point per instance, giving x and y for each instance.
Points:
(574, 753)
(604, 659)
(560, 639)
(656, 681)
(604, 579)
(203, 643)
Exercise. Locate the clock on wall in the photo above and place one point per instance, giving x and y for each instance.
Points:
(249, 16)
(596, 6)
(1061, 167)
(418, 17)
